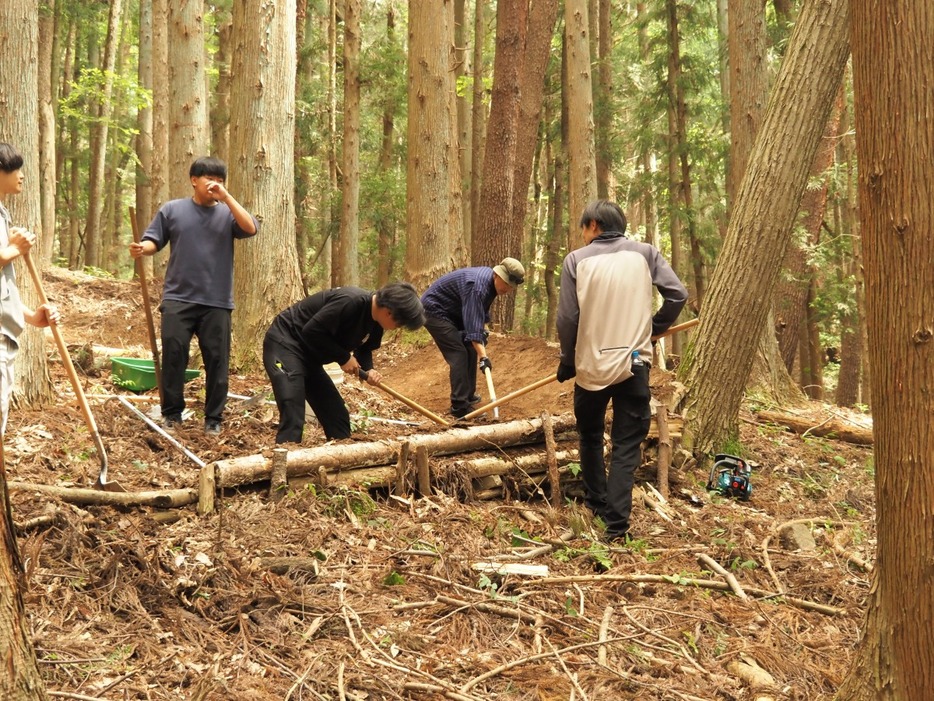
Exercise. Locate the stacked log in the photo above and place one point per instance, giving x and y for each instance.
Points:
(379, 464)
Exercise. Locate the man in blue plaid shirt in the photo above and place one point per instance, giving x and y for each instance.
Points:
(457, 309)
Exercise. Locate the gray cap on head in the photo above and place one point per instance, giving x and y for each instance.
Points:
(511, 271)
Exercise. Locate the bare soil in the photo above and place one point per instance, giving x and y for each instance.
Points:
(140, 603)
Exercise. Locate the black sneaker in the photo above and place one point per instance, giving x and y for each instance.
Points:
(171, 422)
(212, 427)
(474, 398)
(459, 413)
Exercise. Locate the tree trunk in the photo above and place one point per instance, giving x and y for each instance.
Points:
(188, 100)
(47, 183)
(266, 276)
(604, 105)
(853, 325)
(432, 133)
(347, 255)
(496, 234)
(19, 673)
(893, 47)
(99, 131)
(717, 366)
(144, 136)
(676, 144)
(581, 151)
(161, 118)
(477, 121)
(19, 86)
(790, 298)
(220, 106)
(462, 69)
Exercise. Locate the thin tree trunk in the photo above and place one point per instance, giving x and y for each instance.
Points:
(47, 182)
(99, 132)
(349, 236)
(581, 151)
(477, 122)
(144, 120)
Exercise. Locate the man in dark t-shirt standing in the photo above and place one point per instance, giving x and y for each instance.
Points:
(197, 297)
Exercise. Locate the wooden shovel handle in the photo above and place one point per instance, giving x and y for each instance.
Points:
(69, 365)
(408, 402)
(512, 395)
(675, 329)
(147, 307)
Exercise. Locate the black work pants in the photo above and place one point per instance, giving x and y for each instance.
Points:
(610, 495)
(180, 322)
(295, 380)
(461, 358)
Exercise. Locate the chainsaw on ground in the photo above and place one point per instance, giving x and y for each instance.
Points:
(730, 476)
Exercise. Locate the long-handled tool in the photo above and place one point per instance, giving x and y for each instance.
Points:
(408, 402)
(509, 397)
(147, 307)
(488, 373)
(101, 482)
(158, 429)
(551, 378)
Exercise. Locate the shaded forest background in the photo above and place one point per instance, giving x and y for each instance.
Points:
(131, 90)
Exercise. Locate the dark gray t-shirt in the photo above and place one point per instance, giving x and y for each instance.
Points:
(200, 269)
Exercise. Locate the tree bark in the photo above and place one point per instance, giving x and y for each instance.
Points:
(496, 233)
(19, 673)
(835, 428)
(581, 150)
(144, 119)
(47, 182)
(893, 46)
(187, 98)
(347, 251)
(432, 134)
(99, 131)
(717, 367)
(266, 275)
(19, 107)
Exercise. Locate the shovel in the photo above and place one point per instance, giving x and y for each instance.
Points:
(147, 307)
(101, 482)
(405, 400)
(488, 373)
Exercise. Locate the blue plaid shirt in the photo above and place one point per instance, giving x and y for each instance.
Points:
(463, 297)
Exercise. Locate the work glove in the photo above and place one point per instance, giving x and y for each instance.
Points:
(485, 364)
(565, 372)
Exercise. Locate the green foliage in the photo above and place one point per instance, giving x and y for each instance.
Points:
(393, 579)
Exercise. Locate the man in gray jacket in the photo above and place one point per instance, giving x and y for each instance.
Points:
(605, 326)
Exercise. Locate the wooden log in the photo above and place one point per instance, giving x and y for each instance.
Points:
(401, 486)
(424, 475)
(832, 427)
(664, 449)
(552, 461)
(207, 487)
(306, 461)
(164, 499)
(279, 483)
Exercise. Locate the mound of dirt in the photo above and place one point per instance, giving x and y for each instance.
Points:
(349, 592)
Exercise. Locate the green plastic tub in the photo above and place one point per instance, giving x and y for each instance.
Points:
(139, 375)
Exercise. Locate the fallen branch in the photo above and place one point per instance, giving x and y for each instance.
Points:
(833, 427)
(164, 499)
(726, 574)
(688, 582)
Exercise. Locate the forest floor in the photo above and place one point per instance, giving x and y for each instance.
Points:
(385, 596)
